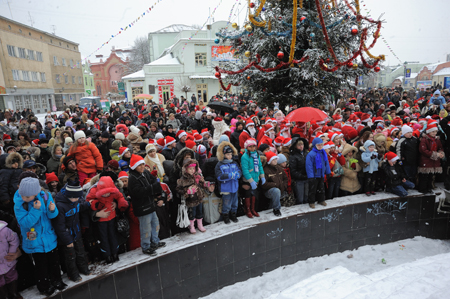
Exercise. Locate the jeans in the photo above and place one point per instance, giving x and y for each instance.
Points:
(334, 184)
(400, 190)
(274, 194)
(149, 227)
(196, 212)
(107, 236)
(301, 192)
(229, 203)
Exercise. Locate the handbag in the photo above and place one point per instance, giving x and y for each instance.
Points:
(183, 218)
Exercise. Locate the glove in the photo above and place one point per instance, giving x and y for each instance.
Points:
(263, 181)
(253, 184)
(380, 156)
(353, 165)
(373, 156)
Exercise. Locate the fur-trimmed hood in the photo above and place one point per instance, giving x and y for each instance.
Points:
(220, 148)
(12, 158)
(189, 162)
(348, 148)
(178, 161)
(379, 138)
(34, 150)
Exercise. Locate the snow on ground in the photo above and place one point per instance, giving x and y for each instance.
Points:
(404, 267)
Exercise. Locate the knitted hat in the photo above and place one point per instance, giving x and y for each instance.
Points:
(135, 161)
(391, 157)
(150, 147)
(180, 134)
(120, 136)
(201, 149)
(287, 141)
(406, 130)
(42, 136)
(281, 158)
(50, 177)
(78, 135)
(278, 141)
(122, 151)
(123, 165)
(190, 144)
(169, 140)
(67, 160)
(159, 136)
(105, 134)
(250, 141)
(68, 140)
(263, 147)
(249, 122)
(227, 149)
(29, 187)
(73, 189)
(270, 156)
(431, 128)
(90, 122)
(115, 145)
(6, 137)
(123, 175)
(113, 164)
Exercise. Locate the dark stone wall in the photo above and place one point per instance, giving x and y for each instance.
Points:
(206, 267)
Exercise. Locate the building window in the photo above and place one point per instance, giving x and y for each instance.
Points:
(58, 79)
(9, 27)
(29, 33)
(99, 90)
(36, 102)
(44, 101)
(31, 55)
(64, 62)
(22, 53)
(51, 41)
(20, 30)
(73, 79)
(85, 81)
(66, 79)
(39, 56)
(200, 59)
(18, 102)
(26, 76)
(71, 63)
(43, 77)
(92, 83)
(34, 77)
(151, 89)
(55, 60)
(27, 101)
(80, 81)
(12, 51)
(16, 75)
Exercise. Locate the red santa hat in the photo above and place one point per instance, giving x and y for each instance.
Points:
(122, 151)
(278, 141)
(35, 142)
(249, 142)
(169, 140)
(198, 138)
(397, 122)
(391, 157)
(284, 128)
(249, 122)
(353, 119)
(6, 137)
(378, 119)
(337, 127)
(180, 134)
(431, 122)
(204, 131)
(328, 145)
(365, 117)
(218, 119)
(393, 130)
(161, 142)
(96, 120)
(332, 135)
(337, 118)
(287, 141)
(135, 161)
(270, 156)
(190, 144)
(123, 175)
(431, 128)
(268, 127)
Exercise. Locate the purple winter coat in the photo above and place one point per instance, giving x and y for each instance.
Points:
(9, 242)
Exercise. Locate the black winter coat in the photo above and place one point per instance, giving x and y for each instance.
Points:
(9, 177)
(143, 189)
(297, 162)
(445, 138)
(407, 150)
(67, 224)
(168, 153)
(392, 179)
(234, 139)
(104, 148)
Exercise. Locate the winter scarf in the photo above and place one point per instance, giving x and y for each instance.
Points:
(158, 164)
(226, 161)
(254, 155)
(322, 154)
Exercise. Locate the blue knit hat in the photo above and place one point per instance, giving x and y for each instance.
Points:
(73, 189)
(29, 186)
(281, 158)
(42, 136)
(316, 140)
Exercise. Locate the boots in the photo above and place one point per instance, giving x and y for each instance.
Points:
(253, 207)
(226, 218)
(12, 290)
(115, 258)
(71, 265)
(82, 264)
(248, 212)
(192, 227)
(233, 217)
(200, 225)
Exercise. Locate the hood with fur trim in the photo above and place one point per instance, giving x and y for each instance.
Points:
(34, 150)
(178, 161)
(189, 162)
(348, 148)
(220, 148)
(379, 138)
(12, 158)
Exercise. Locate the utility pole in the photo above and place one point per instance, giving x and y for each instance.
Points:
(9, 6)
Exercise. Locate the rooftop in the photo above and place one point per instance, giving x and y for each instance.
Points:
(165, 60)
(138, 75)
(174, 28)
(443, 72)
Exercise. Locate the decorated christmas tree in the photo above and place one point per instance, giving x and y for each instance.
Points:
(298, 51)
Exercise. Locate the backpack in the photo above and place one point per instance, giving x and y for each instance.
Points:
(25, 204)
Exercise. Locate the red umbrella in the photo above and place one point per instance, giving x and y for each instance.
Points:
(306, 114)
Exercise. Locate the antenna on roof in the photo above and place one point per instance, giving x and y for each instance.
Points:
(30, 19)
(10, 10)
(53, 29)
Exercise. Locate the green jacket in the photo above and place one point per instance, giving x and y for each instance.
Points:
(247, 165)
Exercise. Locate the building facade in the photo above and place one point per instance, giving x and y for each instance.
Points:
(29, 70)
(108, 72)
(184, 68)
(88, 80)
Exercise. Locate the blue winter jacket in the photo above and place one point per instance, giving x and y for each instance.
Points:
(67, 223)
(248, 167)
(371, 164)
(228, 175)
(311, 170)
(439, 97)
(39, 220)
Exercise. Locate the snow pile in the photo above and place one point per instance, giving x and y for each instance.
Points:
(418, 261)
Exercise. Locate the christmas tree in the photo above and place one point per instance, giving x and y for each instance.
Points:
(299, 52)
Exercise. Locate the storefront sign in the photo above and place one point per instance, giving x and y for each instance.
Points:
(137, 84)
(165, 82)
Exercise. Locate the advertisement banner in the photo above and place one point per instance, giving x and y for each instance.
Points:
(447, 82)
(222, 53)
(137, 84)
(424, 84)
(165, 81)
(408, 73)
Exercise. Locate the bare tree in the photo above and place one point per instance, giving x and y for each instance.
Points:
(183, 84)
(140, 54)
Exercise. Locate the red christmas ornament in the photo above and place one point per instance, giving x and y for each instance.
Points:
(354, 31)
(252, 5)
(248, 77)
(280, 55)
(377, 69)
(217, 74)
(302, 19)
(350, 65)
(328, 60)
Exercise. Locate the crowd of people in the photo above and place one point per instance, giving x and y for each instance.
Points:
(87, 184)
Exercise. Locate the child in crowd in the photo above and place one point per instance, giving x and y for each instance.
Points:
(317, 167)
(9, 243)
(103, 195)
(70, 203)
(288, 198)
(34, 208)
(371, 159)
(190, 186)
(228, 175)
(52, 183)
(336, 160)
(394, 176)
(349, 182)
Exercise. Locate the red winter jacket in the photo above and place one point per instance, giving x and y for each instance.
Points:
(106, 185)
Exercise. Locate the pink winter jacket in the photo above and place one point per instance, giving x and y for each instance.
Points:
(9, 242)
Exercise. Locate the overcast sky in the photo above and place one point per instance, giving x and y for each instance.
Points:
(415, 30)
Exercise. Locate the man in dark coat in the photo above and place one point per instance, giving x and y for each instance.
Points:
(104, 146)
